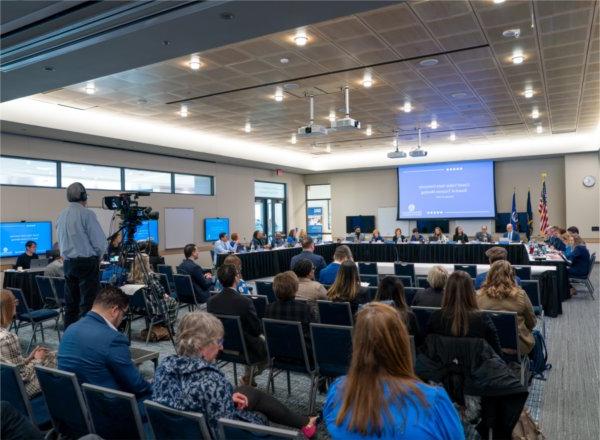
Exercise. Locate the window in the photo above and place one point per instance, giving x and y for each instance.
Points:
(318, 211)
(269, 189)
(270, 208)
(27, 172)
(318, 192)
(151, 181)
(91, 176)
(188, 184)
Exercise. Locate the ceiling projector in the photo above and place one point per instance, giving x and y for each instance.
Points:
(417, 152)
(312, 130)
(396, 154)
(345, 124)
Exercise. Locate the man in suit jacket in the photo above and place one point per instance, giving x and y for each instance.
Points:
(230, 302)
(308, 252)
(483, 235)
(511, 235)
(97, 352)
(201, 281)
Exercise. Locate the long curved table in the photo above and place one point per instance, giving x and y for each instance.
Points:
(554, 284)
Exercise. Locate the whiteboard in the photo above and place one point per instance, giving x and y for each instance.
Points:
(179, 227)
(104, 218)
(387, 223)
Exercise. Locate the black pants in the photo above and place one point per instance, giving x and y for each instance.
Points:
(82, 277)
(15, 426)
(272, 408)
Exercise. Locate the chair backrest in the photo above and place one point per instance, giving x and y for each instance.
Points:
(22, 306)
(523, 272)
(114, 414)
(235, 429)
(508, 332)
(404, 269)
(265, 288)
(423, 314)
(184, 289)
(164, 282)
(367, 268)
(335, 313)
(409, 294)
(406, 280)
(46, 291)
(373, 280)
(65, 402)
(592, 261)
(260, 304)
(532, 289)
(13, 389)
(286, 347)
(422, 282)
(167, 270)
(332, 348)
(234, 344)
(471, 269)
(59, 285)
(168, 423)
(372, 292)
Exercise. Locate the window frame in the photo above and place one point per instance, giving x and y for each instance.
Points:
(39, 160)
(212, 184)
(121, 182)
(306, 200)
(124, 170)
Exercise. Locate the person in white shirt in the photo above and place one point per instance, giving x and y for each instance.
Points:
(222, 245)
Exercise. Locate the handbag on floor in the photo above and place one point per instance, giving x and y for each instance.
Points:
(159, 333)
(526, 428)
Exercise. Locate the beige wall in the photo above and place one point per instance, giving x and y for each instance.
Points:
(582, 204)
(234, 186)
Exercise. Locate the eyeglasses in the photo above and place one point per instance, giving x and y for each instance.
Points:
(220, 342)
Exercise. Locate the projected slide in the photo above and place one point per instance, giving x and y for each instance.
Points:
(147, 230)
(13, 237)
(446, 190)
(214, 226)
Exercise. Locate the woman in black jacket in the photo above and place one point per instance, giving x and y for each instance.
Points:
(391, 291)
(459, 235)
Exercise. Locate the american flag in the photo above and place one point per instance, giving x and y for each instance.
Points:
(543, 209)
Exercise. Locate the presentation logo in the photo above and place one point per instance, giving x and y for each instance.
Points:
(411, 207)
(4, 250)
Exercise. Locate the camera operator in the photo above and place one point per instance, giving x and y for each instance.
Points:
(82, 243)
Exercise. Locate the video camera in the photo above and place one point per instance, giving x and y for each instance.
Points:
(128, 206)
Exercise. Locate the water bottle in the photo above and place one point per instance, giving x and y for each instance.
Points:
(252, 249)
(531, 246)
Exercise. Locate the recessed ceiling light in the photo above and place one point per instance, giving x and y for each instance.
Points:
(499, 1)
(535, 113)
(248, 127)
(518, 57)
(278, 94)
(407, 107)
(290, 86)
(512, 33)
(528, 93)
(428, 62)
(284, 60)
(434, 124)
(294, 139)
(452, 136)
(301, 39)
(195, 62)
(459, 95)
(369, 131)
(331, 116)
(183, 111)
(328, 148)
(539, 129)
(367, 80)
(90, 88)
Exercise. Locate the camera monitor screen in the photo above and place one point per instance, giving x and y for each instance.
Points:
(214, 226)
(147, 230)
(13, 237)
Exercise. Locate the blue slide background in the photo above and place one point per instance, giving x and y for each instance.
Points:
(214, 226)
(13, 237)
(148, 229)
(447, 190)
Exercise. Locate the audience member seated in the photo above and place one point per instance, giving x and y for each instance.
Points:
(376, 237)
(391, 291)
(579, 258)
(230, 302)
(114, 246)
(328, 274)
(97, 352)
(359, 237)
(309, 289)
(241, 287)
(459, 235)
(483, 235)
(56, 268)
(291, 238)
(159, 302)
(287, 308)
(347, 288)
(432, 296)
(24, 260)
(201, 281)
(511, 235)
(259, 241)
(308, 252)
(557, 241)
(10, 348)
(398, 237)
(500, 292)
(416, 236)
(494, 254)
(278, 240)
(191, 381)
(381, 397)
(222, 245)
(460, 316)
(438, 236)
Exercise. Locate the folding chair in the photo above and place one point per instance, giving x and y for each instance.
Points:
(335, 313)
(372, 292)
(422, 282)
(286, 351)
(332, 349)
(406, 269)
(260, 304)
(168, 272)
(585, 281)
(169, 423)
(406, 280)
(265, 288)
(46, 291)
(59, 285)
(235, 429)
(471, 269)
(523, 272)
(185, 291)
(532, 289)
(66, 406)
(164, 282)
(423, 314)
(410, 293)
(114, 414)
(367, 268)
(373, 280)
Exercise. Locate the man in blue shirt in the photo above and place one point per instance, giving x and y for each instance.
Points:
(328, 274)
(82, 244)
(308, 252)
(495, 253)
(510, 234)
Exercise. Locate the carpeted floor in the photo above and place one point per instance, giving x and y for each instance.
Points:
(566, 404)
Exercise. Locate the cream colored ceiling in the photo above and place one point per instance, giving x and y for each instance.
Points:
(478, 93)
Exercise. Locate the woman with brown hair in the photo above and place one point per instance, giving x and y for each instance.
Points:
(460, 316)
(347, 288)
(381, 396)
(500, 292)
(391, 291)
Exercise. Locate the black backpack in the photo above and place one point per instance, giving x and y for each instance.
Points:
(538, 358)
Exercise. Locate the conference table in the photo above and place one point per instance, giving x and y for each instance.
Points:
(554, 283)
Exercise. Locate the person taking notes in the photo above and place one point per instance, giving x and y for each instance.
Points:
(511, 235)
(483, 235)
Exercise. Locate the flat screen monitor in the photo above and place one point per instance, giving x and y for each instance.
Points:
(366, 223)
(447, 190)
(427, 226)
(214, 226)
(147, 230)
(13, 237)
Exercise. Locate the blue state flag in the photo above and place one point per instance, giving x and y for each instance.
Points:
(514, 216)
(529, 229)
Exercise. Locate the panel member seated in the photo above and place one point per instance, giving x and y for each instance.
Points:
(291, 238)
(278, 240)
(24, 260)
(416, 236)
(342, 253)
(398, 237)
(438, 236)
(359, 237)
(459, 235)
(483, 235)
(201, 281)
(234, 243)
(376, 238)
(259, 241)
(222, 245)
(308, 252)
(511, 235)
(494, 254)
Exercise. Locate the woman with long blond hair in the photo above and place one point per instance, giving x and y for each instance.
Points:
(381, 397)
(347, 288)
(500, 292)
